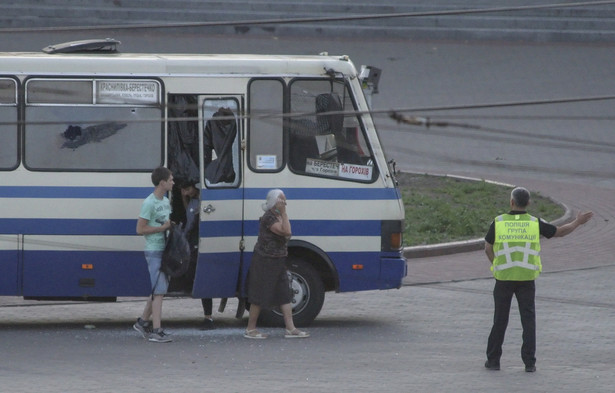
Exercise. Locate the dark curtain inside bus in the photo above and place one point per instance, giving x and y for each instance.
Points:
(220, 133)
(183, 161)
(183, 139)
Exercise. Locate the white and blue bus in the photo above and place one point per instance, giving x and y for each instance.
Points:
(83, 125)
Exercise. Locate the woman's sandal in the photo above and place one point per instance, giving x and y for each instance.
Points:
(255, 334)
(296, 333)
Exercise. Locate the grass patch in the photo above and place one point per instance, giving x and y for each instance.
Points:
(444, 209)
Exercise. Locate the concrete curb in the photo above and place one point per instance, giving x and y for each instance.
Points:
(440, 249)
(436, 250)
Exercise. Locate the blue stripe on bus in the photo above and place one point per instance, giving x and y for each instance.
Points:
(314, 194)
(37, 226)
(75, 192)
(57, 273)
(43, 192)
(300, 228)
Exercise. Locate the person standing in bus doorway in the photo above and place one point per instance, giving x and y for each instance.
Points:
(268, 282)
(152, 223)
(512, 246)
(191, 202)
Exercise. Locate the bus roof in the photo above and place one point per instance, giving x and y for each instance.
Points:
(32, 63)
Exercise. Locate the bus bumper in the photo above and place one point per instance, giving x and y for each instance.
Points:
(392, 272)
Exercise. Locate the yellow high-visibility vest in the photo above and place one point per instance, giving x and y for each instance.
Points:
(516, 248)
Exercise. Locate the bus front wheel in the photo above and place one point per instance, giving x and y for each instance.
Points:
(308, 295)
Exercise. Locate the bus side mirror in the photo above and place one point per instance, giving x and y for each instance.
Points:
(370, 77)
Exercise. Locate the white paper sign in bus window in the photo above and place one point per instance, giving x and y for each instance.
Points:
(337, 169)
(356, 172)
(266, 161)
(127, 92)
(320, 167)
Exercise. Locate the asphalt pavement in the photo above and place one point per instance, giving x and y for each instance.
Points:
(429, 337)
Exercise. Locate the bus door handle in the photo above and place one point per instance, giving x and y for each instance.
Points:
(209, 209)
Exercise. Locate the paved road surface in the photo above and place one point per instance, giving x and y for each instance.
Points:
(419, 338)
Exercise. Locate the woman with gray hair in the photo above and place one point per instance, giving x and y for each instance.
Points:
(268, 283)
(272, 198)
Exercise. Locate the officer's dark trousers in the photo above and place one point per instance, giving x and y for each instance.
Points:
(502, 296)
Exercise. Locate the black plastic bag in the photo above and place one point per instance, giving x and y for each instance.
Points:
(176, 255)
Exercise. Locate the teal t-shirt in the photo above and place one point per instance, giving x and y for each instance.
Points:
(156, 212)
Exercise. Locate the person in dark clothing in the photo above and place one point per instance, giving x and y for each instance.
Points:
(191, 202)
(512, 246)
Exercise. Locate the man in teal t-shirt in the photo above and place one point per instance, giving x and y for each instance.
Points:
(156, 212)
(152, 223)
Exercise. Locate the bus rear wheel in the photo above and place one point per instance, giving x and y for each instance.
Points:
(308, 295)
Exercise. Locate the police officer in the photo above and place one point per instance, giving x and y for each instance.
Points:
(513, 248)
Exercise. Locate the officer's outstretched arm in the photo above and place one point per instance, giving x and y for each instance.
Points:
(581, 219)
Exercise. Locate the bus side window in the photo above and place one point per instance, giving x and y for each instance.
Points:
(316, 139)
(8, 131)
(87, 124)
(266, 124)
(221, 158)
(329, 143)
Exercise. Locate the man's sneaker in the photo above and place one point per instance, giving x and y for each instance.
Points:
(159, 336)
(143, 327)
(530, 369)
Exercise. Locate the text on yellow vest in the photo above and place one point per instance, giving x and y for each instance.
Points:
(516, 248)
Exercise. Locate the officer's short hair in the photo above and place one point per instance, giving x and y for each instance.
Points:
(159, 174)
(520, 196)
